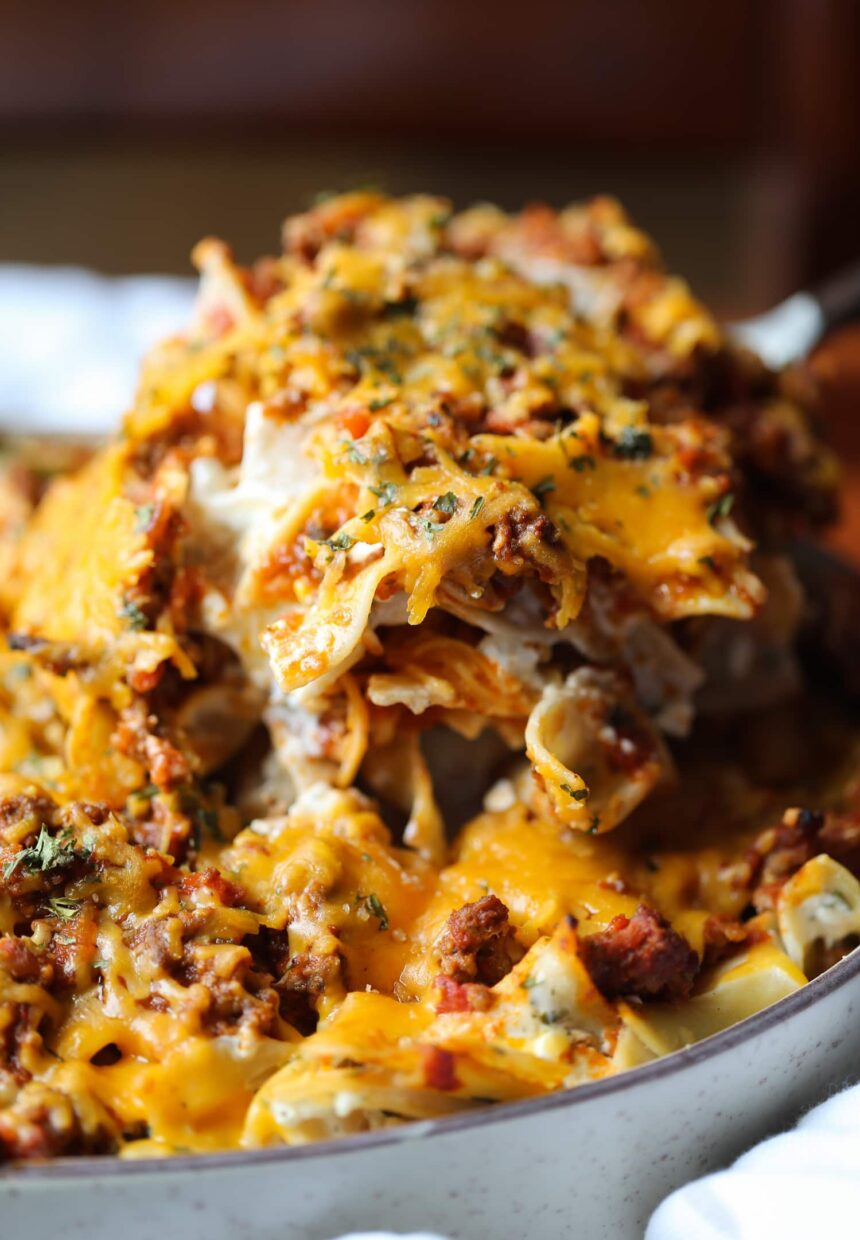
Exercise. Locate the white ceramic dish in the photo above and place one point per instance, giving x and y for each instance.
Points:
(593, 1162)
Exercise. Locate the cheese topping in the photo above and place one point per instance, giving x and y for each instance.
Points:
(425, 513)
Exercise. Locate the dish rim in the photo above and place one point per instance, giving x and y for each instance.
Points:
(75, 1168)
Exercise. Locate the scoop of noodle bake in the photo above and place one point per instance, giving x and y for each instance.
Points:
(426, 515)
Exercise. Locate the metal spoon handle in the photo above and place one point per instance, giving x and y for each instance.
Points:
(792, 329)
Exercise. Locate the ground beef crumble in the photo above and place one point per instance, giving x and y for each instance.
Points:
(640, 957)
(478, 943)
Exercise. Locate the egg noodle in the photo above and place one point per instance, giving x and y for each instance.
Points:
(395, 715)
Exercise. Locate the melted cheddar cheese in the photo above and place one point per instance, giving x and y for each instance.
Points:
(344, 696)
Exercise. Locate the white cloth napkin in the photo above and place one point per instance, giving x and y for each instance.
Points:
(797, 1186)
(71, 342)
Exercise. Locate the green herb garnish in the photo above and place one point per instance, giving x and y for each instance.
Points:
(353, 453)
(543, 487)
(386, 492)
(376, 907)
(50, 852)
(135, 616)
(720, 508)
(578, 794)
(446, 503)
(338, 542)
(634, 443)
(431, 528)
(388, 368)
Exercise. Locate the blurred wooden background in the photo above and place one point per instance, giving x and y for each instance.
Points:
(837, 365)
(731, 127)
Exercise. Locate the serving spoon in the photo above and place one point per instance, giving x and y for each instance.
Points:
(792, 329)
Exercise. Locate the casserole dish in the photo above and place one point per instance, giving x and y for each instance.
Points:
(595, 1161)
(409, 713)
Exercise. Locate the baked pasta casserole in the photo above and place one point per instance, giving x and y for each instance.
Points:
(405, 713)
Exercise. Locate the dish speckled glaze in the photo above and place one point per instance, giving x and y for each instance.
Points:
(594, 1161)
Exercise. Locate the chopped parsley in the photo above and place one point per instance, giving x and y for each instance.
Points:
(338, 542)
(543, 487)
(446, 503)
(353, 453)
(388, 368)
(431, 528)
(50, 852)
(708, 561)
(386, 491)
(135, 616)
(375, 907)
(581, 462)
(369, 515)
(491, 464)
(634, 443)
(578, 794)
(380, 402)
(595, 824)
(476, 507)
(720, 508)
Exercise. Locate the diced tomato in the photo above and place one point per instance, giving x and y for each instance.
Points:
(356, 421)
